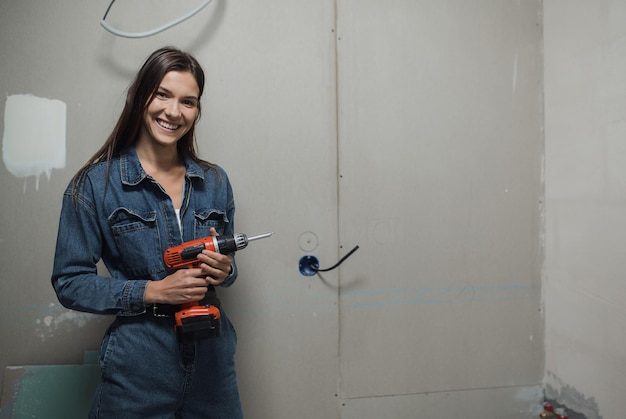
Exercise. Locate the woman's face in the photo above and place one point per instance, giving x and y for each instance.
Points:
(173, 110)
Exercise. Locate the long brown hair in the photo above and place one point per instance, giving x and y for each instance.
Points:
(140, 94)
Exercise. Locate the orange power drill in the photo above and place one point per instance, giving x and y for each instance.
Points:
(201, 318)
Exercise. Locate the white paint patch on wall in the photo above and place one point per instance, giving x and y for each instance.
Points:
(57, 317)
(34, 136)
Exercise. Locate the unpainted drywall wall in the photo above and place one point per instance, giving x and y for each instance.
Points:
(440, 182)
(585, 177)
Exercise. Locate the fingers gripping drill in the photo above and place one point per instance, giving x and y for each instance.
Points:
(202, 318)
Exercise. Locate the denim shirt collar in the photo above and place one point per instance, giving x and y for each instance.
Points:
(132, 172)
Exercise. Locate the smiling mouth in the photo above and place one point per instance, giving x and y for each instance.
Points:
(166, 125)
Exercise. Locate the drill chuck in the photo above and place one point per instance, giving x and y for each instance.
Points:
(241, 241)
(229, 244)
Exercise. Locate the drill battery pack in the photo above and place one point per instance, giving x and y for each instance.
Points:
(198, 321)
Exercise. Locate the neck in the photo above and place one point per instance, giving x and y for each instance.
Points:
(155, 161)
(158, 158)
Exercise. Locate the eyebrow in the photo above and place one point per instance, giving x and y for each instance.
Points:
(166, 90)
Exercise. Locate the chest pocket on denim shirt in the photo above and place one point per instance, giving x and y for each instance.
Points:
(205, 219)
(136, 235)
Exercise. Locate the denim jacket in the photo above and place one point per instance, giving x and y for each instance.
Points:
(128, 222)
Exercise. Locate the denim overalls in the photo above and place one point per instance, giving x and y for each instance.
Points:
(128, 222)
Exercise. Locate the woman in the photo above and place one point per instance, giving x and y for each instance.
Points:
(144, 191)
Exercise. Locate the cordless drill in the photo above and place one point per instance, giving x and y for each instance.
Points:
(202, 318)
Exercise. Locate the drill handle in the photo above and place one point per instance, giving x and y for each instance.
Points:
(210, 298)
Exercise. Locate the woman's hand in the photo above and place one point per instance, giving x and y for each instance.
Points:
(216, 266)
(183, 286)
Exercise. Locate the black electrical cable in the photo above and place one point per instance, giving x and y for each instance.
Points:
(338, 263)
(108, 8)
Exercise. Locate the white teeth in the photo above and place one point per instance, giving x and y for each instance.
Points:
(166, 125)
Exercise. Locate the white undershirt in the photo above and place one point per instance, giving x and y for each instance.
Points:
(180, 226)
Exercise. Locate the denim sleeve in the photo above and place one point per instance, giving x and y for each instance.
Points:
(75, 276)
(230, 230)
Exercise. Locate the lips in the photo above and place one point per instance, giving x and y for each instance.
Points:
(167, 125)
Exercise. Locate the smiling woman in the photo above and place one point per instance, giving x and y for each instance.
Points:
(144, 191)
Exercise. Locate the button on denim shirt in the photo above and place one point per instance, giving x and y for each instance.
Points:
(128, 222)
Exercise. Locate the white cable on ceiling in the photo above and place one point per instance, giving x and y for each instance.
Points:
(124, 34)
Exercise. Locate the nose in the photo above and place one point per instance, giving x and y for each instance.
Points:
(173, 110)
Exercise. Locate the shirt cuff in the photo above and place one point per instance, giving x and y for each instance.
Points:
(231, 276)
(133, 298)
